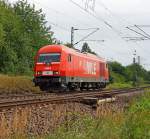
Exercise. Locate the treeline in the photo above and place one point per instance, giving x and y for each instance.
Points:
(23, 31)
(134, 73)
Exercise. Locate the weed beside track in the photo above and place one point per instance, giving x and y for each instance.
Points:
(17, 84)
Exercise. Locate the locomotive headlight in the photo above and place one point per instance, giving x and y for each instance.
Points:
(39, 72)
(55, 72)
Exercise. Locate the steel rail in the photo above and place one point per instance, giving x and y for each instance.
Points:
(66, 98)
(12, 96)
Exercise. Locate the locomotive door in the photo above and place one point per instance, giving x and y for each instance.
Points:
(70, 67)
(102, 70)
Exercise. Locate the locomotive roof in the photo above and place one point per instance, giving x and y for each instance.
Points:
(59, 48)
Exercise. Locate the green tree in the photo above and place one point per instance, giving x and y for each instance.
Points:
(117, 68)
(117, 72)
(2, 34)
(69, 45)
(86, 48)
(9, 31)
(136, 73)
(148, 76)
(34, 24)
(23, 31)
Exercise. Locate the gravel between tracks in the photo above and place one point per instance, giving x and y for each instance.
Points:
(39, 119)
(42, 119)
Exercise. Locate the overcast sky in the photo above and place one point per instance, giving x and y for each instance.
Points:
(111, 16)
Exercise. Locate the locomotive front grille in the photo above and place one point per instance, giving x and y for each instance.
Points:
(43, 79)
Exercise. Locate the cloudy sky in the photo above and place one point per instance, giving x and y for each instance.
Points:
(110, 16)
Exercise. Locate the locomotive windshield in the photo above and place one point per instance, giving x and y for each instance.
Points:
(49, 57)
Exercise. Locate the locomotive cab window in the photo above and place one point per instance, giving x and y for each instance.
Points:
(69, 58)
(49, 57)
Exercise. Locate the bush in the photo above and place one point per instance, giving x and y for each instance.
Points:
(137, 122)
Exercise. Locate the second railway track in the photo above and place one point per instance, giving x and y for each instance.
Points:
(35, 99)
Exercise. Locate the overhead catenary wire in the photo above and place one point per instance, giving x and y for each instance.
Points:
(137, 32)
(144, 25)
(108, 25)
(86, 28)
(58, 26)
(124, 20)
(68, 30)
(100, 19)
(100, 3)
(63, 14)
(86, 36)
(112, 14)
(95, 40)
(142, 30)
(134, 39)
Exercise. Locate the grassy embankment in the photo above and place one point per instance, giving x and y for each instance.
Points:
(134, 123)
(16, 84)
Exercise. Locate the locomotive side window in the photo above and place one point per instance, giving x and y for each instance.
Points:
(49, 57)
(106, 66)
(69, 58)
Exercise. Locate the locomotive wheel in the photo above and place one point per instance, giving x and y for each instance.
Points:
(81, 88)
(43, 88)
(71, 87)
(87, 86)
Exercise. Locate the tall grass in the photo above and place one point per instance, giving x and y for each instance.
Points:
(131, 124)
(137, 120)
(14, 127)
(119, 85)
(16, 84)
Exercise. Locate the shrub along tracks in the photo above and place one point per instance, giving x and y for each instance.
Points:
(17, 100)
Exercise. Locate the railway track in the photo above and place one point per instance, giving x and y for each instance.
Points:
(27, 95)
(35, 99)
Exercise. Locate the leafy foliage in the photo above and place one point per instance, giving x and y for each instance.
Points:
(69, 45)
(34, 24)
(137, 122)
(134, 73)
(138, 71)
(86, 48)
(23, 31)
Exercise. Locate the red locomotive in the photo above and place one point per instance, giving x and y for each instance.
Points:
(59, 67)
